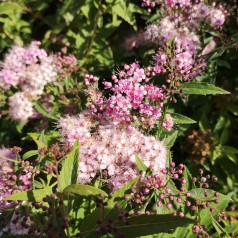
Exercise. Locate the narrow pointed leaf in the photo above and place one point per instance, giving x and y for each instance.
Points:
(201, 88)
(31, 195)
(151, 224)
(42, 110)
(83, 190)
(36, 137)
(68, 174)
(180, 119)
(140, 164)
(29, 154)
(219, 229)
(169, 140)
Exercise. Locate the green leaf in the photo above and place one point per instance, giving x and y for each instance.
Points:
(205, 213)
(101, 52)
(120, 8)
(233, 108)
(201, 88)
(68, 173)
(220, 124)
(170, 42)
(220, 230)
(182, 232)
(180, 119)
(233, 228)
(169, 140)
(223, 63)
(188, 177)
(199, 194)
(29, 154)
(10, 8)
(39, 142)
(120, 193)
(37, 184)
(90, 223)
(20, 126)
(140, 164)
(42, 110)
(31, 195)
(142, 225)
(229, 149)
(83, 190)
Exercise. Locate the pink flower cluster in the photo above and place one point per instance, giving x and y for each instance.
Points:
(190, 13)
(65, 64)
(20, 107)
(110, 150)
(203, 12)
(182, 20)
(177, 3)
(9, 181)
(6, 171)
(133, 99)
(168, 122)
(168, 28)
(30, 69)
(75, 127)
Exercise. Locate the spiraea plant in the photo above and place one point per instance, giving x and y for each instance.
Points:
(115, 158)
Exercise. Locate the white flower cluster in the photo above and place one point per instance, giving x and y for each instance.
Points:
(30, 69)
(20, 107)
(112, 149)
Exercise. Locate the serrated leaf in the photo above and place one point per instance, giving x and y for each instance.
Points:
(120, 8)
(198, 88)
(29, 154)
(188, 177)
(169, 140)
(140, 164)
(180, 119)
(31, 195)
(83, 190)
(68, 173)
(142, 225)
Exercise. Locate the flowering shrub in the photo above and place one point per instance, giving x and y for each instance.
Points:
(106, 129)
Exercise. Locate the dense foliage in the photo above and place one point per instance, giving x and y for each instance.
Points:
(118, 118)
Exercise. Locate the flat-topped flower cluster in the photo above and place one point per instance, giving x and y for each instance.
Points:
(30, 69)
(110, 151)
